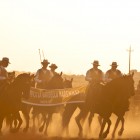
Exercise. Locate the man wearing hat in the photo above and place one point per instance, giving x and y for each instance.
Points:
(43, 75)
(94, 74)
(53, 67)
(113, 72)
(95, 77)
(3, 72)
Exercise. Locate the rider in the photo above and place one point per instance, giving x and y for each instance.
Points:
(3, 72)
(113, 72)
(43, 75)
(53, 67)
(95, 77)
(4, 80)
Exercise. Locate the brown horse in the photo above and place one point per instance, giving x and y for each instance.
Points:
(58, 108)
(10, 98)
(112, 98)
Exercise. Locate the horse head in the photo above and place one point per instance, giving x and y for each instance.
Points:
(129, 84)
(11, 76)
(23, 83)
(56, 82)
(68, 83)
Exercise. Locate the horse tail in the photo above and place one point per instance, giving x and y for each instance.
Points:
(67, 114)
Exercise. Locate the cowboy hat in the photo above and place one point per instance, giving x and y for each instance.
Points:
(114, 64)
(96, 62)
(45, 61)
(5, 59)
(53, 66)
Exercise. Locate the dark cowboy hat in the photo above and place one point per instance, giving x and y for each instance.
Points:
(114, 64)
(95, 62)
(53, 66)
(5, 59)
(45, 61)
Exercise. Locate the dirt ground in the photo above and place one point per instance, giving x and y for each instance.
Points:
(131, 132)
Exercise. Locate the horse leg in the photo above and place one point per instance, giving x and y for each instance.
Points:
(47, 122)
(102, 128)
(122, 128)
(108, 128)
(77, 119)
(27, 118)
(44, 122)
(17, 117)
(66, 116)
(20, 121)
(1, 122)
(116, 125)
(90, 120)
(100, 119)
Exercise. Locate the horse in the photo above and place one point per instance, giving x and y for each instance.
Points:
(10, 98)
(55, 84)
(112, 98)
(11, 76)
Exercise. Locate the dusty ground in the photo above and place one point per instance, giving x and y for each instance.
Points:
(131, 132)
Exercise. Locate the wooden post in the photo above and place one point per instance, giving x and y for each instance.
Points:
(129, 51)
(40, 55)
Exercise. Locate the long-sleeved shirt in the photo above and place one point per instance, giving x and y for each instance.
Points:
(3, 73)
(112, 74)
(42, 77)
(94, 75)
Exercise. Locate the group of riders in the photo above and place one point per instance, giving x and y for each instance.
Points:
(43, 75)
(110, 90)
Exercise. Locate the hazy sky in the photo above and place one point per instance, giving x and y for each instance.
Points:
(72, 33)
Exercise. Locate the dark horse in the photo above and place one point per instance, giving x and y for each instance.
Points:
(55, 83)
(10, 98)
(111, 98)
(47, 111)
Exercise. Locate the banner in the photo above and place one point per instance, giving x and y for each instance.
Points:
(43, 97)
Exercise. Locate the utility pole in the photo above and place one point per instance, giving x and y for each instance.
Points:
(129, 51)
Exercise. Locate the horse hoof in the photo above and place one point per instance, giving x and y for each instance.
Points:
(40, 129)
(120, 132)
(101, 137)
(113, 136)
(80, 134)
(104, 135)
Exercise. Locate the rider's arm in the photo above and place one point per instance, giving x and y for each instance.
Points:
(1, 76)
(37, 77)
(88, 76)
(107, 79)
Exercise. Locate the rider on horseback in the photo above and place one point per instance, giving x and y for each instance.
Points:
(95, 78)
(3, 72)
(112, 73)
(43, 75)
(53, 67)
(4, 80)
(94, 75)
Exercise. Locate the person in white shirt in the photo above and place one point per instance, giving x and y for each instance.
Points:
(3, 72)
(94, 75)
(112, 73)
(53, 67)
(43, 75)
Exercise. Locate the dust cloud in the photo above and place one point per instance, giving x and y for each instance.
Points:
(131, 131)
